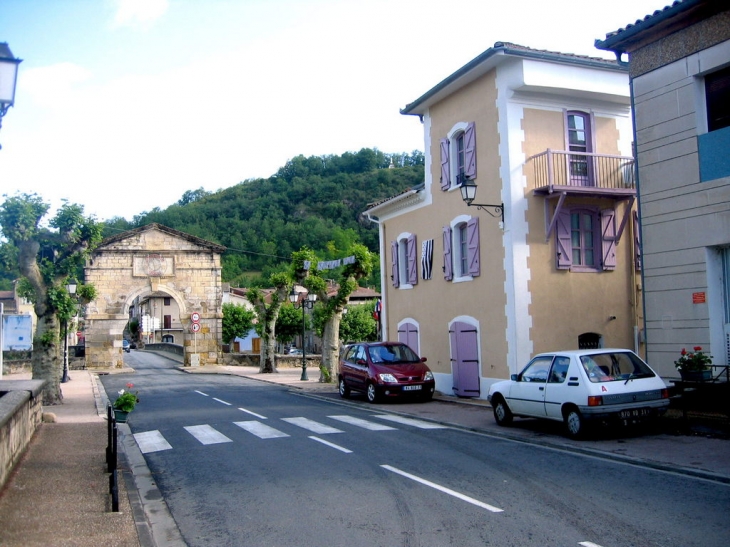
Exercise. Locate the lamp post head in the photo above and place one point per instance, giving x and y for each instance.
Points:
(8, 77)
(311, 297)
(71, 287)
(468, 191)
(293, 296)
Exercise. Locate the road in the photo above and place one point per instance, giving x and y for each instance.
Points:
(243, 463)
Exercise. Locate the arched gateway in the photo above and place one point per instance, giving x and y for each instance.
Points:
(154, 261)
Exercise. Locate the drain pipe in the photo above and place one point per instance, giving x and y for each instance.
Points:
(383, 278)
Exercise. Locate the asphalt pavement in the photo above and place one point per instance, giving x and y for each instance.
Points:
(58, 493)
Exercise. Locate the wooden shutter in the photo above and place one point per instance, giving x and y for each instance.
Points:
(608, 238)
(448, 266)
(564, 245)
(470, 151)
(637, 242)
(412, 265)
(472, 245)
(394, 266)
(445, 169)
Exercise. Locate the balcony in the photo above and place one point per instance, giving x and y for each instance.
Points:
(581, 173)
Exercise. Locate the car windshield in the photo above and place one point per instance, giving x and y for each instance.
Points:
(398, 353)
(613, 366)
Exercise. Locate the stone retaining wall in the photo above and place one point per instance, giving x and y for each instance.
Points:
(21, 412)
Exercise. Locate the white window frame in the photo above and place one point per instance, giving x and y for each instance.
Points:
(456, 250)
(403, 260)
(458, 129)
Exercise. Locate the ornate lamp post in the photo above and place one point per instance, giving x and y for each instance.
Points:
(8, 79)
(469, 192)
(306, 302)
(71, 288)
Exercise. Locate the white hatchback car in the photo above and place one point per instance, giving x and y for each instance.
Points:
(580, 386)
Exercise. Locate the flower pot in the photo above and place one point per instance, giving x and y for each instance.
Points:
(120, 416)
(696, 375)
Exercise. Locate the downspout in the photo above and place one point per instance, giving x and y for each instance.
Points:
(383, 278)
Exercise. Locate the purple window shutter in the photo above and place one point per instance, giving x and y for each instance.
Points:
(470, 151)
(448, 266)
(637, 242)
(394, 268)
(412, 260)
(445, 169)
(472, 245)
(564, 245)
(608, 238)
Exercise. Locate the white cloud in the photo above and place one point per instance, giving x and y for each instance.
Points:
(136, 13)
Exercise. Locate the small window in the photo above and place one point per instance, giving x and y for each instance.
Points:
(167, 300)
(460, 159)
(537, 370)
(458, 156)
(583, 238)
(462, 249)
(586, 239)
(717, 97)
(404, 255)
(463, 256)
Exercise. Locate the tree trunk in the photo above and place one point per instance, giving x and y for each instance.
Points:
(331, 349)
(47, 360)
(268, 348)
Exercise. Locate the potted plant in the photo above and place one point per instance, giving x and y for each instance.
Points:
(694, 365)
(125, 403)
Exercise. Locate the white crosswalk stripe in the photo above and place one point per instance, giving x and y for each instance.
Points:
(365, 424)
(410, 421)
(151, 441)
(206, 434)
(260, 430)
(311, 425)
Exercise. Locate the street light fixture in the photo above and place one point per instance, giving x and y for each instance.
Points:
(71, 288)
(8, 79)
(469, 192)
(306, 302)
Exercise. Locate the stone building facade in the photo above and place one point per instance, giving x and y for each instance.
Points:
(154, 260)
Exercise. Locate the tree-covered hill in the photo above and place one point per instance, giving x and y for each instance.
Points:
(313, 202)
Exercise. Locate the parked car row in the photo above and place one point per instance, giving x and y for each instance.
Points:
(576, 387)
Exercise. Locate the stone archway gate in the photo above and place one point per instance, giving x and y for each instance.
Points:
(154, 259)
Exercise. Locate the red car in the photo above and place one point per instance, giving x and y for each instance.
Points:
(384, 369)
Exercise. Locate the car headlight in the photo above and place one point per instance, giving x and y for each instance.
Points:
(428, 376)
(387, 378)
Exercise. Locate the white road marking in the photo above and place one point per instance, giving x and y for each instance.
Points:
(311, 425)
(151, 441)
(259, 416)
(372, 426)
(444, 490)
(221, 401)
(206, 434)
(332, 445)
(203, 394)
(260, 430)
(410, 421)
(588, 544)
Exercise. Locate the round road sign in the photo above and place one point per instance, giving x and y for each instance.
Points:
(195, 317)
(195, 327)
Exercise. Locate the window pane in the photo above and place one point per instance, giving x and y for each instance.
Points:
(463, 253)
(717, 93)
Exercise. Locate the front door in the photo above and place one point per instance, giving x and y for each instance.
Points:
(465, 359)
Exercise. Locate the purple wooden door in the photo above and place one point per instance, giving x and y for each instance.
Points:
(464, 359)
(408, 334)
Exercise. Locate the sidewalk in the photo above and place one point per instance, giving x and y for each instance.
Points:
(58, 494)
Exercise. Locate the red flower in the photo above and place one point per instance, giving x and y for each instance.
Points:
(684, 351)
(130, 385)
(698, 348)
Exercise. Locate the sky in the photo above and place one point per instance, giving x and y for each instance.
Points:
(123, 105)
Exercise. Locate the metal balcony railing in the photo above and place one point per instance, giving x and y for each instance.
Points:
(581, 172)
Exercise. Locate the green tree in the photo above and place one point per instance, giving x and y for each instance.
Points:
(289, 323)
(48, 258)
(267, 309)
(358, 323)
(237, 321)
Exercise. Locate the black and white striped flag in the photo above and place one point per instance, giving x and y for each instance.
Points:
(426, 258)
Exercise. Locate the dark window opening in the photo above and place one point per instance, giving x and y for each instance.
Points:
(717, 95)
(589, 340)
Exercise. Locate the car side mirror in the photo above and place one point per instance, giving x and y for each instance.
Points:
(423, 359)
(515, 377)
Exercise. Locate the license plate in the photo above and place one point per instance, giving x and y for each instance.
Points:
(634, 413)
(411, 388)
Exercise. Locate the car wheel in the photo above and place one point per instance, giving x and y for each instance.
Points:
(574, 423)
(502, 413)
(372, 393)
(344, 390)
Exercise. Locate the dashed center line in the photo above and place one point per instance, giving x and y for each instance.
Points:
(221, 401)
(331, 445)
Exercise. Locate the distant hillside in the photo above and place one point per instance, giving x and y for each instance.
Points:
(314, 202)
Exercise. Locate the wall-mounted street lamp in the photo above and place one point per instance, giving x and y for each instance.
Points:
(469, 192)
(306, 302)
(71, 288)
(8, 79)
